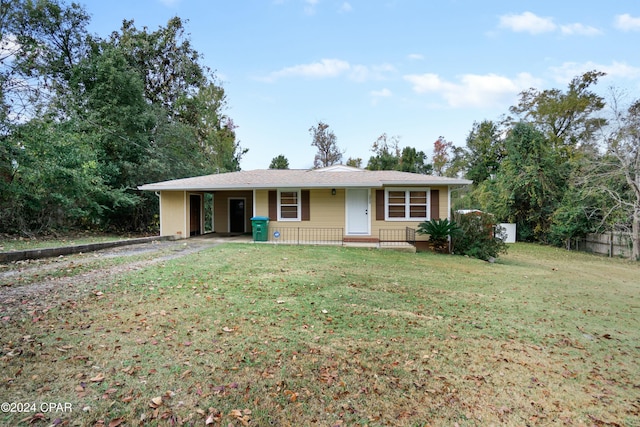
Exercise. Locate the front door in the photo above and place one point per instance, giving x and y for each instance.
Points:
(236, 215)
(358, 211)
(196, 215)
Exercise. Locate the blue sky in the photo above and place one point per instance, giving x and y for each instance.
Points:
(416, 69)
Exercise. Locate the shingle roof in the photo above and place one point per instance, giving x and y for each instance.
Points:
(301, 178)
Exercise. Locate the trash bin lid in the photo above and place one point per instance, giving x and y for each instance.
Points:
(260, 218)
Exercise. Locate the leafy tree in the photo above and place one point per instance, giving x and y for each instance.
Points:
(279, 162)
(389, 156)
(530, 183)
(49, 38)
(326, 142)
(137, 107)
(386, 153)
(355, 163)
(484, 151)
(414, 161)
(566, 118)
(441, 155)
(57, 181)
(577, 214)
(165, 59)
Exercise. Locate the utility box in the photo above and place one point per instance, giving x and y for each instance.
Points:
(260, 228)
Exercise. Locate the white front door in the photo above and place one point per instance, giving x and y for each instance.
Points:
(358, 211)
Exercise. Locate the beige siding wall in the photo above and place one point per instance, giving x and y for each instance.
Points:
(221, 209)
(262, 203)
(328, 211)
(172, 213)
(376, 226)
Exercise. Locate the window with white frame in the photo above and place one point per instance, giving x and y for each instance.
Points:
(406, 204)
(289, 205)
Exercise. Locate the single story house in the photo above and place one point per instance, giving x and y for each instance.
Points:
(357, 202)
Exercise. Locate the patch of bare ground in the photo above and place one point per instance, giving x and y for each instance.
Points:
(34, 286)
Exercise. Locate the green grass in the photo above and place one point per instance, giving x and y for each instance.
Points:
(8, 244)
(291, 335)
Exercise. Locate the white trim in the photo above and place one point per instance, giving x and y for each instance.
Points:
(407, 204)
(244, 213)
(298, 191)
(162, 227)
(368, 213)
(253, 202)
(187, 209)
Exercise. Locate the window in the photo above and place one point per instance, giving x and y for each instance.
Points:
(289, 205)
(407, 204)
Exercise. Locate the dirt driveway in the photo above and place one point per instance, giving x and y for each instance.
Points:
(33, 286)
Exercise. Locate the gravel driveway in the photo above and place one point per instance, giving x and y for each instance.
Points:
(32, 286)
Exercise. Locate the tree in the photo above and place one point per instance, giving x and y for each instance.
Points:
(566, 118)
(104, 116)
(50, 37)
(170, 67)
(279, 162)
(414, 161)
(326, 142)
(484, 151)
(530, 183)
(441, 155)
(355, 163)
(617, 173)
(389, 156)
(386, 153)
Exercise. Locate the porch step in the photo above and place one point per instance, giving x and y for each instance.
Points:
(352, 239)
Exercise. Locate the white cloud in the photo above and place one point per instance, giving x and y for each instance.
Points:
(317, 70)
(579, 29)
(376, 95)
(330, 68)
(363, 73)
(383, 93)
(9, 46)
(472, 90)
(345, 7)
(567, 71)
(310, 6)
(627, 22)
(527, 22)
(170, 3)
(416, 56)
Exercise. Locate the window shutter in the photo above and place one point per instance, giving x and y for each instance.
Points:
(273, 205)
(306, 211)
(435, 204)
(379, 205)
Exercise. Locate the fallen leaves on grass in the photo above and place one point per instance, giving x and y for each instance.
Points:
(155, 402)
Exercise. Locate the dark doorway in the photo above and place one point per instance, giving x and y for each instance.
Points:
(196, 215)
(236, 215)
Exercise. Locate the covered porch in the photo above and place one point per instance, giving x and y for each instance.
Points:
(194, 213)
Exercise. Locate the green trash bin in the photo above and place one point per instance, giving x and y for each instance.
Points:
(260, 228)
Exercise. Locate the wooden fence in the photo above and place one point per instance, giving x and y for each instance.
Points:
(611, 244)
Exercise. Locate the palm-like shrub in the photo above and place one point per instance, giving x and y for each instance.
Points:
(439, 231)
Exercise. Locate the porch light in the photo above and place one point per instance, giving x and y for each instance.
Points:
(333, 191)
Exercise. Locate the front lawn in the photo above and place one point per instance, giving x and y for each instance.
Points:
(262, 335)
